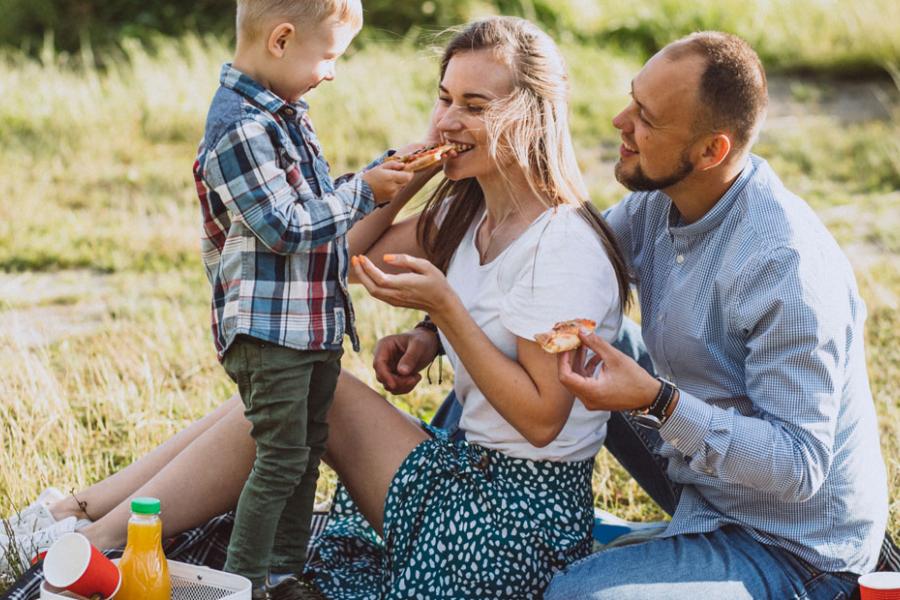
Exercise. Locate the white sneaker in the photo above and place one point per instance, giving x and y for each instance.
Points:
(34, 517)
(17, 552)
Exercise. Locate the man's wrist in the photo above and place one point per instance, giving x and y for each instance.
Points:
(429, 325)
(671, 408)
(658, 412)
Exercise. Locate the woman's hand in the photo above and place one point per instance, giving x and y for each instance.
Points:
(423, 286)
(618, 384)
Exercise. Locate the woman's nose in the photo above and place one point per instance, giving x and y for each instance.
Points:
(447, 121)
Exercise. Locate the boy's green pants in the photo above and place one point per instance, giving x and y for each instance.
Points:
(286, 395)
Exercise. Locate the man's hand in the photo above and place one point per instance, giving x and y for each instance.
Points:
(400, 357)
(386, 180)
(619, 384)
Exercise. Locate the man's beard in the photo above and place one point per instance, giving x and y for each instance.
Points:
(639, 182)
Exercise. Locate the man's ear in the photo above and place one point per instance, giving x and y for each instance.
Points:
(278, 39)
(715, 149)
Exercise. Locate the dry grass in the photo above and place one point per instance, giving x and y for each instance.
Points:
(104, 336)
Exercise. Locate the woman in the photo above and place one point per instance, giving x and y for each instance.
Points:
(506, 246)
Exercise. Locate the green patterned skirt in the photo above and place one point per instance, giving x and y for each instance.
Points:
(461, 521)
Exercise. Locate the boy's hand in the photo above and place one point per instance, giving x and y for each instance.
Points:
(386, 180)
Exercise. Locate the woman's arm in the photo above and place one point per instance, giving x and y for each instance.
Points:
(526, 392)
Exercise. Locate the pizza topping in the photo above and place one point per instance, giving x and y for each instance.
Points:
(564, 335)
(428, 156)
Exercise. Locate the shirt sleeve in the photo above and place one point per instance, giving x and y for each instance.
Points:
(797, 333)
(243, 169)
(567, 276)
(377, 161)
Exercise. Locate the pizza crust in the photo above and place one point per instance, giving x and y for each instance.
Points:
(564, 335)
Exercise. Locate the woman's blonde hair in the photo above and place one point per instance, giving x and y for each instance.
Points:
(528, 128)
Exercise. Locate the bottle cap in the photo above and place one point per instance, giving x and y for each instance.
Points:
(145, 506)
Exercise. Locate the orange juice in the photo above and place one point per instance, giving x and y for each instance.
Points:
(145, 573)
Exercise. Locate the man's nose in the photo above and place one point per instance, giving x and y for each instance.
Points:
(621, 120)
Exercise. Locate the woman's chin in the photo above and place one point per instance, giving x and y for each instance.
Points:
(456, 172)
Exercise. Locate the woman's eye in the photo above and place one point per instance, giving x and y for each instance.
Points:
(475, 109)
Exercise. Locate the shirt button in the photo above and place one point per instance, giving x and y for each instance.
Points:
(679, 259)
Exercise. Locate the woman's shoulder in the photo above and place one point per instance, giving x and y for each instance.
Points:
(566, 231)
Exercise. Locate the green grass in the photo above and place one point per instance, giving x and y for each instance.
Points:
(104, 336)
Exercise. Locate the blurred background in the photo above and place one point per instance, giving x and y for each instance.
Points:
(103, 303)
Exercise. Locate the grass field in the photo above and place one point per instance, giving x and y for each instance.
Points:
(103, 302)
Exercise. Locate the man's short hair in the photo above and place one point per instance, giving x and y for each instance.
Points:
(733, 92)
(253, 16)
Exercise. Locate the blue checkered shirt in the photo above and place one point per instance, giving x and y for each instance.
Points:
(274, 223)
(753, 312)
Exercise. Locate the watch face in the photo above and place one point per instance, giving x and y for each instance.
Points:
(647, 420)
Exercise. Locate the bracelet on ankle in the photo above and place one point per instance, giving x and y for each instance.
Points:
(82, 505)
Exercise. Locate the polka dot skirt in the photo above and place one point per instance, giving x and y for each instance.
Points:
(461, 521)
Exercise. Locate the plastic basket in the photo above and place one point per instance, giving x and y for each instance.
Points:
(189, 582)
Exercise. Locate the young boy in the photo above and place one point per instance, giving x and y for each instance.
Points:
(275, 252)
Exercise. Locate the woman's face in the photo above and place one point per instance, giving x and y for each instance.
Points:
(472, 80)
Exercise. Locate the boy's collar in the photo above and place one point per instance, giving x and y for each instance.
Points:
(248, 87)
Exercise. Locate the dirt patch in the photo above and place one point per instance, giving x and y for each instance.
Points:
(37, 309)
(32, 327)
(792, 98)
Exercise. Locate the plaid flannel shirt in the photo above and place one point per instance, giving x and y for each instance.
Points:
(274, 223)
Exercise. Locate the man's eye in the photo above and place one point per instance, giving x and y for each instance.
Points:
(443, 100)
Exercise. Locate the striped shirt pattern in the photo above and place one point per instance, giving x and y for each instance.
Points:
(274, 222)
(753, 312)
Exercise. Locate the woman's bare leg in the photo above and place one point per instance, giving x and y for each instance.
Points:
(368, 439)
(105, 495)
(200, 482)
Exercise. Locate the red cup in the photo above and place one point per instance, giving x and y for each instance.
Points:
(882, 585)
(74, 564)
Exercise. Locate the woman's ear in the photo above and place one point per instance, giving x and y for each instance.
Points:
(278, 39)
(716, 148)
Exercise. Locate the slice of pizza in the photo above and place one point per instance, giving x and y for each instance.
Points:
(564, 335)
(423, 157)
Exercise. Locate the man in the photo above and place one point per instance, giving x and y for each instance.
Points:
(760, 437)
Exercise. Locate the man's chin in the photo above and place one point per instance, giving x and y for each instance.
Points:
(624, 177)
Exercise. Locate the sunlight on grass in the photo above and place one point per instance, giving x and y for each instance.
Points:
(105, 341)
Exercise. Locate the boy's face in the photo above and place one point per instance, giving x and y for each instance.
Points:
(309, 57)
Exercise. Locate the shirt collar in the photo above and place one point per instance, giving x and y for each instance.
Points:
(720, 209)
(233, 79)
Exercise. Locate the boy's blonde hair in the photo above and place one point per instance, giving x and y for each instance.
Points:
(254, 15)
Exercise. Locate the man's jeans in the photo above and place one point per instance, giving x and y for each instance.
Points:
(722, 565)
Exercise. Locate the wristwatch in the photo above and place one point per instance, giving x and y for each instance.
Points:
(654, 416)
